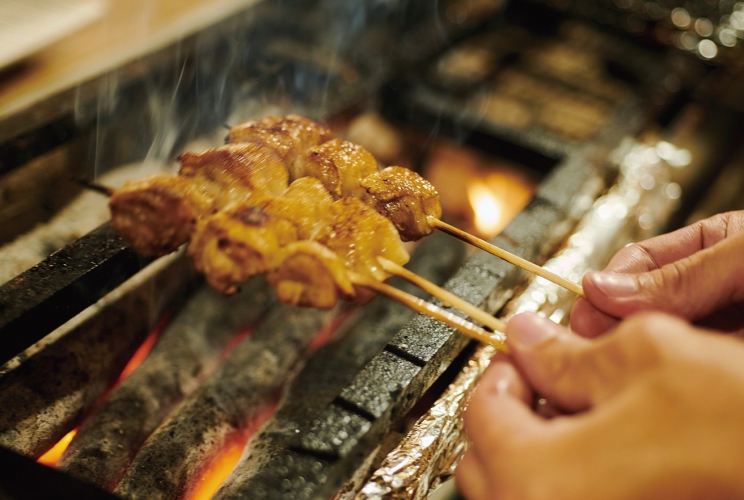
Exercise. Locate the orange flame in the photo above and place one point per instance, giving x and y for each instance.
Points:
(226, 459)
(496, 199)
(486, 208)
(52, 456)
(221, 468)
(139, 355)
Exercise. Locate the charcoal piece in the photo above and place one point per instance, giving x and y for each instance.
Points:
(71, 279)
(187, 351)
(228, 404)
(328, 371)
(334, 432)
(475, 282)
(46, 391)
(379, 384)
(293, 476)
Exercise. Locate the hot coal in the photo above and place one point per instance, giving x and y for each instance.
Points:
(334, 365)
(44, 395)
(232, 399)
(188, 349)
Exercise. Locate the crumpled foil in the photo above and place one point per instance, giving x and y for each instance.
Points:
(641, 202)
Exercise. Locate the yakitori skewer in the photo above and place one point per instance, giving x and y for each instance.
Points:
(445, 296)
(463, 326)
(412, 204)
(420, 305)
(507, 256)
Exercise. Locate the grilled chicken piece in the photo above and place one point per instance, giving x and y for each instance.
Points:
(404, 197)
(236, 172)
(237, 243)
(305, 203)
(288, 136)
(157, 214)
(310, 275)
(359, 235)
(339, 164)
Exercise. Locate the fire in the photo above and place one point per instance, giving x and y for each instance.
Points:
(51, 457)
(495, 199)
(139, 355)
(486, 208)
(220, 469)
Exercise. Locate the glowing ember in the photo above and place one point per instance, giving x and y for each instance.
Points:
(221, 468)
(51, 457)
(487, 208)
(139, 355)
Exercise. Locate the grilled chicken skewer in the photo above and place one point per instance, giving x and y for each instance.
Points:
(401, 195)
(238, 242)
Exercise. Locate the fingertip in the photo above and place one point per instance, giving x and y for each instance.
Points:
(528, 329)
(589, 322)
(610, 284)
(502, 377)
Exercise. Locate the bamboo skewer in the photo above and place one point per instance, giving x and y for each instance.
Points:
(463, 326)
(507, 256)
(94, 186)
(445, 296)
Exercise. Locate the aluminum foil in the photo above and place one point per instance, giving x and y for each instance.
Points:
(637, 206)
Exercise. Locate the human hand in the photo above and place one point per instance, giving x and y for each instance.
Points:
(695, 273)
(657, 405)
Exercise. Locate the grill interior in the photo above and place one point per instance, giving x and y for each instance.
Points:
(552, 89)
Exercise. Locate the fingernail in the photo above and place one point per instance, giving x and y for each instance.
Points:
(614, 284)
(529, 329)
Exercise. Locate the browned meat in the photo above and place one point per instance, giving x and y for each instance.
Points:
(310, 275)
(305, 203)
(287, 136)
(404, 197)
(236, 172)
(237, 243)
(157, 214)
(359, 235)
(339, 164)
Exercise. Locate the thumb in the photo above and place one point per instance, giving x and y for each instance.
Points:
(692, 288)
(558, 364)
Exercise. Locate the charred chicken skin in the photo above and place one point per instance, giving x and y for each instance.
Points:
(404, 197)
(157, 214)
(238, 243)
(309, 274)
(359, 235)
(288, 136)
(305, 203)
(339, 164)
(236, 172)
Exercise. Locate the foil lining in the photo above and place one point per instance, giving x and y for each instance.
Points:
(636, 207)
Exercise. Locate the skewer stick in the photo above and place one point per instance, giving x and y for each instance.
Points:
(94, 186)
(463, 326)
(450, 298)
(507, 256)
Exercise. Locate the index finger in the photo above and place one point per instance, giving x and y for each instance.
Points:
(660, 250)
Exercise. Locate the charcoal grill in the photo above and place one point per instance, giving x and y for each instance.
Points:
(350, 394)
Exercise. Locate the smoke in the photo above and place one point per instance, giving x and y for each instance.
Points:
(308, 57)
